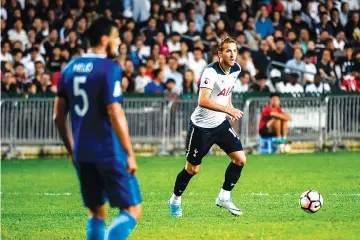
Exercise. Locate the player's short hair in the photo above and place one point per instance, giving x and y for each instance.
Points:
(274, 94)
(225, 41)
(99, 28)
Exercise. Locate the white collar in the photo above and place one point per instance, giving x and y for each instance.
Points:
(91, 54)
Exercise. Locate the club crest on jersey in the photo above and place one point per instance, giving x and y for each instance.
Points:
(206, 81)
(226, 92)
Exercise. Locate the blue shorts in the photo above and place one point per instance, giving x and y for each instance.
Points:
(100, 182)
(199, 141)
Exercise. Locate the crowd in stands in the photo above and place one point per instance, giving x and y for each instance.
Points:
(284, 46)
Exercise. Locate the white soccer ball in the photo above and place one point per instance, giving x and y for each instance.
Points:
(285, 148)
(311, 201)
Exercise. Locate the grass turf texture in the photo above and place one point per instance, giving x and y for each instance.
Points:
(40, 199)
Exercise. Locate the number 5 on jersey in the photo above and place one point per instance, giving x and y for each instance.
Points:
(80, 92)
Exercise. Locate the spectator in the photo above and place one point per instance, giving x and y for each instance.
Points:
(279, 54)
(310, 69)
(263, 24)
(172, 73)
(65, 30)
(167, 25)
(351, 83)
(324, 66)
(296, 64)
(142, 79)
(344, 65)
(261, 58)
(5, 56)
(72, 43)
(8, 83)
(290, 7)
(129, 73)
(242, 85)
(317, 86)
(298, 24)
(344, 13)
(17, 55)
(45, 84)
(252, 36)
(170, 87)
(260, 84)
(160, 40)
(198, 64)
(323, 25)
(22, 80)
(156, 86)
(39, 70)
(246, 62)
(18, 33)
(275, 6)
(334, 21)
(352, 31)
(191, 34)
(273, 120)
(185, 56)
(140, 53)
(180, 25)
(189, 83)
(150, 31)
(150, 67)
(174, 42)
(29, 61)
(277, 21)
(304, 39)
(197, 18)
(339, 41)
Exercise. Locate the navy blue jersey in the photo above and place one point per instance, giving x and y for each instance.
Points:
(90, 83)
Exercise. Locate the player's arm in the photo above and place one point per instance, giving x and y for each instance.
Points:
(207, 82)
(61, 123)
(120, 125)
(281, 116)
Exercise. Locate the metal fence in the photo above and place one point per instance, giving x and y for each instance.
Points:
(163, 121)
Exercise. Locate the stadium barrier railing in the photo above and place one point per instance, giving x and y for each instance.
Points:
(164, 121)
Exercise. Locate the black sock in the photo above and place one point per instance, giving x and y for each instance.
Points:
(232, 175)
(182, 180)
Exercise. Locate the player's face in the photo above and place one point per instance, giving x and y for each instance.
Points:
(229, 54)
(275, 101)
(114, 42)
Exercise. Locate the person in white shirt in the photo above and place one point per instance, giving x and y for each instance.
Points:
(198, 64)
(180, 25)
(246, 62)
(185, 56)
(295, 64)
(30, 59)
(317, 86)
(309, 68)
(18, 33)
(142, 79)
(242, 85)
(5, 56)
(172, 73)
(290, 7)
(174, 43)
(339, 41)
(3, 12)
(293, 85)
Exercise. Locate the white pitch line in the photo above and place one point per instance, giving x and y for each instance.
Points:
(259, 194)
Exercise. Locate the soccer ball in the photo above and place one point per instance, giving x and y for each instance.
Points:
(311, 201)
(284, 148)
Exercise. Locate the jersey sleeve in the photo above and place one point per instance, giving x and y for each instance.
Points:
(208, 78)
(113, 91)
(61, 90)
(266, 112)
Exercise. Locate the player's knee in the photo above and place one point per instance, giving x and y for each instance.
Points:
(192, 169)
(239, 159)
(135, 211)
(98, 212)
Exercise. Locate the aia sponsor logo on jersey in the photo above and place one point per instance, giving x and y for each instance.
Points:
(226, 92)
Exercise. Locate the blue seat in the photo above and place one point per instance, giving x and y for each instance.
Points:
(267, 145)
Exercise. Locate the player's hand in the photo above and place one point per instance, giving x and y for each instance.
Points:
(235, 114)
(132, 165)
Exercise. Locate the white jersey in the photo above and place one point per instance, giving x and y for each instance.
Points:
(221, 85)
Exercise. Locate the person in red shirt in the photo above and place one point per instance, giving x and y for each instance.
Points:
(273, 120)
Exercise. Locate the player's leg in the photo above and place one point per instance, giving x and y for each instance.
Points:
(123, 192)
(228, 140)
(198, 143)
(284, 128)
(274, 126)
(92, 190)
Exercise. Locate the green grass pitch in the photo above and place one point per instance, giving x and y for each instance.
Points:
(40, 199)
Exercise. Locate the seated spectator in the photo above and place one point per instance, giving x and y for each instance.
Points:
(292, 85)
(296, 64)
(45, 84)
(142, 79)
(173, 73)
(198, 64)
(264, 24)
(185, 56)
(279, 54)
(170, 87)
(242, 85)
(18, 33)
(5, 55)
(164, 48)
(324, 66)
(261, 58)
(129, 72)
(246, 62)
(317, 86)
(260, 84)
(174, 42)
(8, 83)
(310, 69)
(343, 65)
(22, 80)
(180, 24)
(156, 86)
(351, 83)
(189, 83)
(150, 67)
(274, 121)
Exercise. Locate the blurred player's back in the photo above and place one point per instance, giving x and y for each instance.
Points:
(86, 83)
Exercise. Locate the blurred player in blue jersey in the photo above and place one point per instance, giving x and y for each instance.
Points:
(90, 89)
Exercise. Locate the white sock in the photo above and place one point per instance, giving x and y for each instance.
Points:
(224, 195)
(175, 199)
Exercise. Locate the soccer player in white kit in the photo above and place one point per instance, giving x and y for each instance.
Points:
(209, 125)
